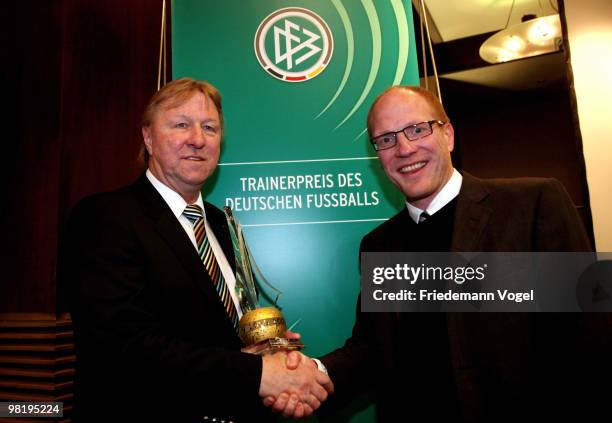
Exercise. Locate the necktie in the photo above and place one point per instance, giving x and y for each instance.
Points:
(423, 216)
(193, 212)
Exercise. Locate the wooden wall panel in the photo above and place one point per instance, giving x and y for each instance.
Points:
(37, 359)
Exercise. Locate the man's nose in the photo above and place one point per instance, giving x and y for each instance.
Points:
(404, 146)
(197, 138)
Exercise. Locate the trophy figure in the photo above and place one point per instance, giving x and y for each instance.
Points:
(261, 329)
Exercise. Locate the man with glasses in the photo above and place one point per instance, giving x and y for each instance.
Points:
(456, 366)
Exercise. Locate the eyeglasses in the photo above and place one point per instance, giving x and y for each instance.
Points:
(412, 132)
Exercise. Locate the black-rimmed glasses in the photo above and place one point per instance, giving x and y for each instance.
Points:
(412, 132)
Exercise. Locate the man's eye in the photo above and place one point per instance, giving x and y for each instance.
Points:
(181, 125)
(210, 128)
(386, 140)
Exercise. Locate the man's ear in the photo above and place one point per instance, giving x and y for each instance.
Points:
(449, 134)
(148, 140)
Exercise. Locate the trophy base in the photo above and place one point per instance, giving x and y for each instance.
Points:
(273, 345)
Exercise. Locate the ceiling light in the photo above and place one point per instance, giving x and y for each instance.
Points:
(530, 38)
(514, 43)
(541, 32)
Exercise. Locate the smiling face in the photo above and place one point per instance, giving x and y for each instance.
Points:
(183, 143)
(419, 168)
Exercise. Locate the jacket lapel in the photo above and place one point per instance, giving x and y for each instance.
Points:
(471, 219)
(170, 230)
(472, 215)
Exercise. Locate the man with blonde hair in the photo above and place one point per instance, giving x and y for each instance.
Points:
(150, 272)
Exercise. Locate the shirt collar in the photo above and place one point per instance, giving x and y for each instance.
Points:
(174, 200)
(445, 196)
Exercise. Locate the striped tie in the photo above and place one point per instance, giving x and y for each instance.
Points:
(194, 213)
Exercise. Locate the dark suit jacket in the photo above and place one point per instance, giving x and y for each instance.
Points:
(503, 363)
(152, 337)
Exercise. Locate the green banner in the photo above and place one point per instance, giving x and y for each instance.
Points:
(297, 79)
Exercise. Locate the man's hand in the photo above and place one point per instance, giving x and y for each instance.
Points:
(294, 358)
(292, 335)
(288, 403)
(252, 349)
(297, 390)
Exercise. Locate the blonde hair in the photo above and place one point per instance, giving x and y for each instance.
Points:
(174, 94)
(177, 92)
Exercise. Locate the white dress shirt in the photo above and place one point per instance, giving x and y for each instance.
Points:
(447, 193)
(177, 204)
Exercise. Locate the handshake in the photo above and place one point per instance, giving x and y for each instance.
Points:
(292, 384)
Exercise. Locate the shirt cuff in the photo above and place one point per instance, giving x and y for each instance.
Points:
(320, 366)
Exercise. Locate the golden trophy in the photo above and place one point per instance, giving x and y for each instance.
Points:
(261, 329)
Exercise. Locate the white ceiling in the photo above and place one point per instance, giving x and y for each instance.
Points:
(518, 75)
(454, 19)
(462, 18)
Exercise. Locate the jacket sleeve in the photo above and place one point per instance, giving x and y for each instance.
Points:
(352, 366)
(121, 331)
(559, 227)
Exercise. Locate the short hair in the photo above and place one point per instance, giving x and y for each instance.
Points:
(176, 93)
(426, 95)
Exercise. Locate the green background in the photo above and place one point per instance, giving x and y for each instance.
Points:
(269, 120)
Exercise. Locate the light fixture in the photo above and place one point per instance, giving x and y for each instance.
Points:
(532, 37)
